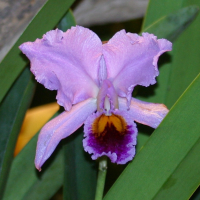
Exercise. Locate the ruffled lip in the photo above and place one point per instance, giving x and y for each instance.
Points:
(120, 148)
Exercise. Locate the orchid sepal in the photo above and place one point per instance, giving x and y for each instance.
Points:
(61, 127)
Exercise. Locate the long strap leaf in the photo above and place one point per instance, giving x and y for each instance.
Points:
(12, 111)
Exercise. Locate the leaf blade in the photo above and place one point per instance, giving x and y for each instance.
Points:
(36, 182)
(12, 111)
(80, 170)
(185, 65)
(177, 180)
(152, 164)
(157, 9)
(173, 24)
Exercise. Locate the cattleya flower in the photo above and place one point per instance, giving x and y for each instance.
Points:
(94, 84)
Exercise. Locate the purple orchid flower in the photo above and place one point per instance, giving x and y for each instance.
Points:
(94, 83)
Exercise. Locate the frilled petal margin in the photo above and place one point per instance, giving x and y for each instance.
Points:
(65, 60)
(118, 145)
(60, 127)
(132, 60)
(150, 114)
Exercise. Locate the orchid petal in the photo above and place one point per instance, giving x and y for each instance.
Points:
(61, 127)
(150, 114)
(64, 61)
(132, 60)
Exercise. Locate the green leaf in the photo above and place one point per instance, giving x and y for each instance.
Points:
(172, 25)
(12, 111)
(25, 182)
(46, 19)
(80, 170)
(67, 21)
(158, 8)
(186, 59)
(190, 168)
(196, 195)
(166, 154)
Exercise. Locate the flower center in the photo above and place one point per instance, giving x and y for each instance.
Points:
(113, 124)
(107, 99)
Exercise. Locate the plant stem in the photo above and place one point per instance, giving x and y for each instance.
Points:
(101, 178)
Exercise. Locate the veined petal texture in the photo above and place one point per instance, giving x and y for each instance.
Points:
(150, 114)
(132, 60)
(61, 127)
(67, 62)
